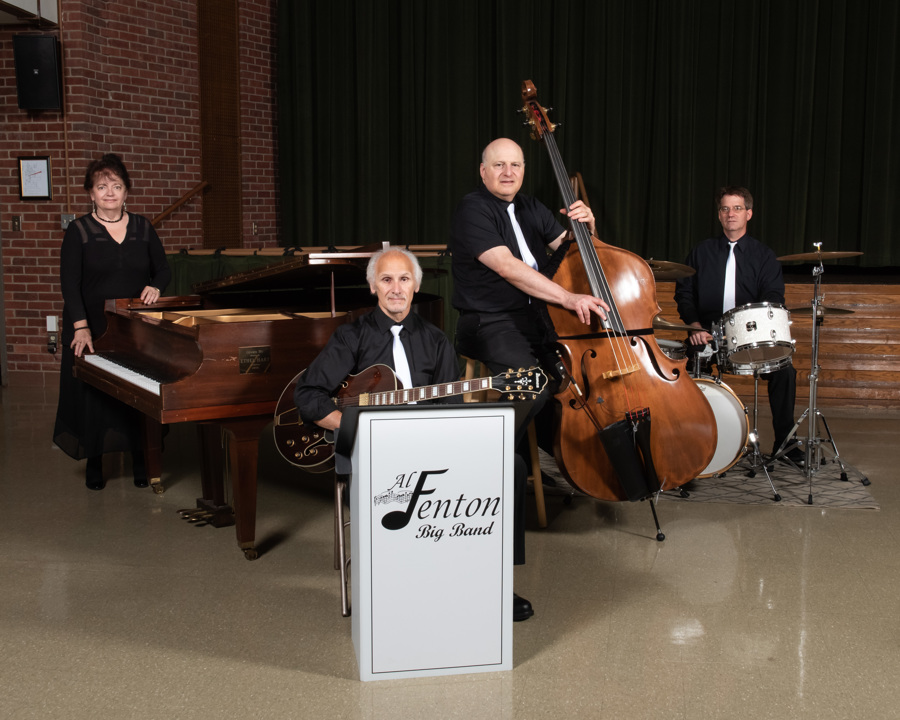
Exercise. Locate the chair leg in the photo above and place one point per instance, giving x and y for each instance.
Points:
(338, 520)
(536, 477)
(342, 558)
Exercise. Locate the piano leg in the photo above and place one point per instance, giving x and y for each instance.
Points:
(243, 453)
(151, 439)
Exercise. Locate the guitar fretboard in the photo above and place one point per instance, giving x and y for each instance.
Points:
(420, 394)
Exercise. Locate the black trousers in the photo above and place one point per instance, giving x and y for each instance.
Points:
(503, 341)
(782, 388)
(513, 340)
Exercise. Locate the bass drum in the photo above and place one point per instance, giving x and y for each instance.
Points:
(731, 423)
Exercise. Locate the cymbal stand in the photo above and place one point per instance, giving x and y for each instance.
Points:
(812, 444)
(755, 458)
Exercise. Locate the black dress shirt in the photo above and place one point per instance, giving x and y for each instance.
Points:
(758, 278)
(94, 268)
(480, 223)
(368, 341)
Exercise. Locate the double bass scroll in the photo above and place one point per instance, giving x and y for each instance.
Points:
(636, 394)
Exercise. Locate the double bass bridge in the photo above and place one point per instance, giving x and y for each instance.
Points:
(620, 372)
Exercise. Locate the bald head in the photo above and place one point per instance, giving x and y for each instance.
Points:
(503, 168)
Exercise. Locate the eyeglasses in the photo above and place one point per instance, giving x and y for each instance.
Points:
(724, 210)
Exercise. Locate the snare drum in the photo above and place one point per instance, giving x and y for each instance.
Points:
(755, 338)
(673, 349)
(731, 424)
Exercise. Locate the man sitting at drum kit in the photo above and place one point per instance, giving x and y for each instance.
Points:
(736, 301)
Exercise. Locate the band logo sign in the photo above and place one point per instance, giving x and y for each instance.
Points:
(459, 516)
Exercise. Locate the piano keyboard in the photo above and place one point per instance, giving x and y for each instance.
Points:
(129, 376)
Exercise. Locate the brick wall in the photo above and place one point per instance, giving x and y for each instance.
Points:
(259, 163)
(131, 87)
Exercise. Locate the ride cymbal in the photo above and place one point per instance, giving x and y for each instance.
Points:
(817, 256)
(660, 323)
(822, 310)
(664, 270)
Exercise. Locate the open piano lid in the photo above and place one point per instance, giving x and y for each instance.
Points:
(311, 271)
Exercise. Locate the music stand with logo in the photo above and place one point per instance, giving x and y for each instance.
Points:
(431, 503)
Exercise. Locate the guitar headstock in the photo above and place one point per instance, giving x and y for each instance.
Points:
(520, 384)
(535, 113)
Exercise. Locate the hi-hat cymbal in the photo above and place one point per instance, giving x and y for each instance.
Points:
(660, 323)
(664, 270)
(822, 310)
(816, 256)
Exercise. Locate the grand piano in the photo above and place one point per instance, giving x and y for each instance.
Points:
(221, 358)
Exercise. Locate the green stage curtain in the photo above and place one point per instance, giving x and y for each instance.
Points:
(385, 106)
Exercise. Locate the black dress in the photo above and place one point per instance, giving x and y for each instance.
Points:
(94, 268)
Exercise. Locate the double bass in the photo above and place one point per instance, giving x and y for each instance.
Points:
(632, 420)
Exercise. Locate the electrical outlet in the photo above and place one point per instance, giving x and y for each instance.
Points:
(16, 223)
(65, 219)
(52, 333)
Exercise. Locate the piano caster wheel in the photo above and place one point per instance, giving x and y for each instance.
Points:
(251, 553)
(158, 487)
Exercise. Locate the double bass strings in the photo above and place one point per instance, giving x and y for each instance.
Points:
(624, 357)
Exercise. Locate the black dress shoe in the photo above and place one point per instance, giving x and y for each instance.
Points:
(139, 469)
(93, 473)
(796, 456)
(522, 609)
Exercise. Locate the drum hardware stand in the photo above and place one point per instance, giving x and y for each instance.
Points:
(812, 443)
(756, 458)
(710, 350)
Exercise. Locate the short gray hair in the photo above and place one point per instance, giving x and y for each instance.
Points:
(373, 261)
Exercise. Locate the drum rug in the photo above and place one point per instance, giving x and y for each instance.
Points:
(735, 486)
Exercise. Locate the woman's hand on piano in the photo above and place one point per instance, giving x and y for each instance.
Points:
(82, 339)
(149, 295)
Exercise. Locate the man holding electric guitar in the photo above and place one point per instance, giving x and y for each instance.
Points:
(394, 276)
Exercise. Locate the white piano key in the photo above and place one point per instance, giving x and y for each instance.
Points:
(129, 376)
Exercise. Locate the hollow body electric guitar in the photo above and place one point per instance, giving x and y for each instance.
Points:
(311, 447)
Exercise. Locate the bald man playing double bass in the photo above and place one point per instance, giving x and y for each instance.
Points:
(500, 241)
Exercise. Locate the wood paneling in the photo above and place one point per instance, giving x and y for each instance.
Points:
(859, 354)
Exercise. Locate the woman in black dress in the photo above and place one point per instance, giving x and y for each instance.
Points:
(109, 253)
